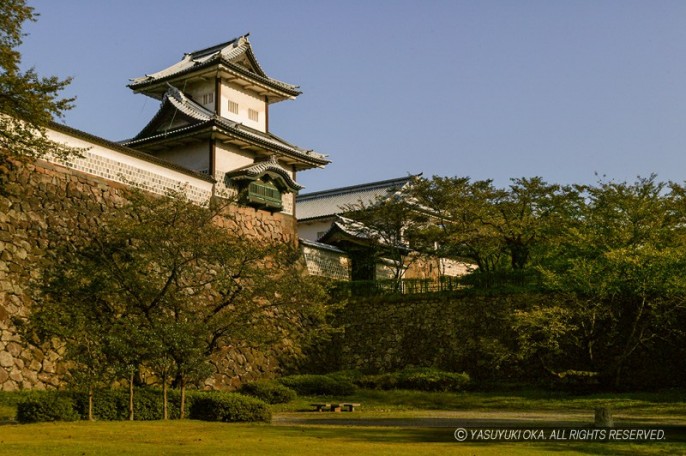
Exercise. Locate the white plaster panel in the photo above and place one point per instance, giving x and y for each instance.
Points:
(117, 166)
(229, 158)
(246, 100)
(309, 230)
(197, 90)
(195, 157)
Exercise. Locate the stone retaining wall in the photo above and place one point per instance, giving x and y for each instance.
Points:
(454, 332)
(32, 203)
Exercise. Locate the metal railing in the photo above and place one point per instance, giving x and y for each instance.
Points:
(445, 284)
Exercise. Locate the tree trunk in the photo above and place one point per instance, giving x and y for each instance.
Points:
(131, 378)
(90, 403)
(165, 407)
(183, 399)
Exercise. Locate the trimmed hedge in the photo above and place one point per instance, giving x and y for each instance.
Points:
(113, 405)
(268, 391)
(48, 407)
(228, 407)
(318, 385)
(419, 379)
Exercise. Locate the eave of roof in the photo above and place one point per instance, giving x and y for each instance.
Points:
(176, 100)
(259, 169)
(353, 232)
(320, 245)
(327, 203)
(189, 65)
(397, 182)
(239, 132)
(205, 119)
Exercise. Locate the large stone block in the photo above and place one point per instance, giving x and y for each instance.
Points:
(6, 359)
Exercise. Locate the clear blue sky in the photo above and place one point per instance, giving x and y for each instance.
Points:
(487, 89)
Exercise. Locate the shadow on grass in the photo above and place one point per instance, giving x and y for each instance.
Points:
(371, 434)
(665, 402)
(673, 443)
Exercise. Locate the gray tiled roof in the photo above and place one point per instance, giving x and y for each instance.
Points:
(228, 54)
(258, 169)
(328, 203)
(175, 99)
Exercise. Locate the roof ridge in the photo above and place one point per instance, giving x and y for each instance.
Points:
(357, 187)
(212, 49)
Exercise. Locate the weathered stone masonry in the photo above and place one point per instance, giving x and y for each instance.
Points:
(209, 138)
(38, 196)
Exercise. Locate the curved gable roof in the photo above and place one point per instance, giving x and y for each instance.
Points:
(235, 56)
(269, 167)
(197, 117)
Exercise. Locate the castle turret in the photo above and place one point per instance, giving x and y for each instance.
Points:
(214, 119)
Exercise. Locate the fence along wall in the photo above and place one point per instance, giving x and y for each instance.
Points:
(37, 196)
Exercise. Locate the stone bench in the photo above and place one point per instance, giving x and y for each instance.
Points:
(335, 407)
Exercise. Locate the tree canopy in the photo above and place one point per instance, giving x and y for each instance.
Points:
(165, 285)
(28, 102)
(608, 257)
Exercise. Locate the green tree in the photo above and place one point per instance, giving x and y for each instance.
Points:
(182, 282)
(491, 225)
(619, 274)
(385, 227)
(77, 318)
(28, 102)
(530, 213)
(464, 219)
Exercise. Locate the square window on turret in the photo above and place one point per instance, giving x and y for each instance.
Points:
(207, 98)
(233, 107)
(253, 115)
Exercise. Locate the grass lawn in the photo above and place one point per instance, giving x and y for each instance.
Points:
(202, 438)
(669, 403)
(308, 436)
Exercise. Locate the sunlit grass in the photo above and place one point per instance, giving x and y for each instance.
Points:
(313, 437)
(669, 403)
(201, 438)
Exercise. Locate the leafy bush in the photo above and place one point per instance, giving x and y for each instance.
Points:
(419, 379)
(429, 379)
(318, 385)
(108, 405)
(113, 405)
(228, 407)
(387, 381)
(49, 407)
(349, 375)
(269, 392)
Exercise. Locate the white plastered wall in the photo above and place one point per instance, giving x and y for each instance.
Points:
(195, 157)
(197, 90)
(310, 230)
(246, 101)
(115, 165)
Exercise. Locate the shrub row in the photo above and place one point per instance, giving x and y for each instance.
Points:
(344, 383)
(419, 379)
(229, 408)
(268, 391)
(47, 407)
(114, 405)
(318, 385)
